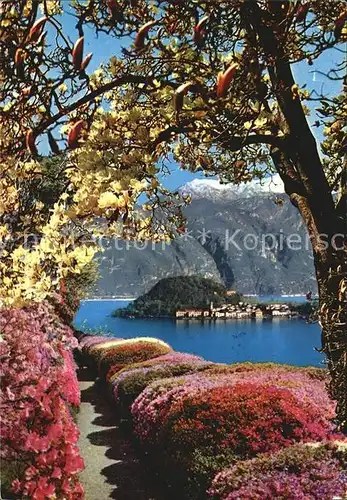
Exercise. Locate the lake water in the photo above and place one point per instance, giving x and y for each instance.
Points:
(279, 340)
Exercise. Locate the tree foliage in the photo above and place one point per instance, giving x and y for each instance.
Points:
(202, 84)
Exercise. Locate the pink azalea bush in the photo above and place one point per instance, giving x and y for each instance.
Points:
(171, 357)
(167, 419)
(38, 388)
(150, 407)
(131, 381)
(300, 472)
(120, 357)
(113, 355)
(86, 343)
(248, 418)
(307, 384)
(68, 380)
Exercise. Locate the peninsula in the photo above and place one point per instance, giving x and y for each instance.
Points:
(176, 293)
(194, 297)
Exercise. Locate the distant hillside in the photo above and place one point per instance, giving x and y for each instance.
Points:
(226, 225)
(170, 294)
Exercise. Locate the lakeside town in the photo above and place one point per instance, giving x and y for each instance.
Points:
(194, 297)
(241, 310)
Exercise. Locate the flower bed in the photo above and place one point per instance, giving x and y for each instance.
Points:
(172, 357)
(86, 343)
(307, 384)
(194, 418)
(114, 342)
(248, 418)
(201, 431)
(300, 472)
(39, 453)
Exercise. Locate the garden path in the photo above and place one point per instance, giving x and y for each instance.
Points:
(112, 469)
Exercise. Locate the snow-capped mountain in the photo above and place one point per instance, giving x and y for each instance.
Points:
(235, 234)
(214, 190)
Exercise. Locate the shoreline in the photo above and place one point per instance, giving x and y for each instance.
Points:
(109, 299)
(270, 297)
(207, 319)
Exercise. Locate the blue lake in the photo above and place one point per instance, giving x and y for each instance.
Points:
(281, 341)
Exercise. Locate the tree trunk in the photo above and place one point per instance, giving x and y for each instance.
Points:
(297, 160)
(330, 254)
(332, 285)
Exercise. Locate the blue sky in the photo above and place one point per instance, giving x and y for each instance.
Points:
(105, 46)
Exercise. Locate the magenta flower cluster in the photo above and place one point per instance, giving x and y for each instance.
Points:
(38, 389)
(150, 408)
(300, 472)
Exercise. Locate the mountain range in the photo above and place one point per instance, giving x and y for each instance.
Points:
(249, 237)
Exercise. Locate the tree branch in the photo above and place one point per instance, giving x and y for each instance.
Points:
(90, 97)
(235, 143)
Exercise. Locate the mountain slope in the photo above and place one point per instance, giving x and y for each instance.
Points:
(237, 235)
(252, 242)
(126, 269)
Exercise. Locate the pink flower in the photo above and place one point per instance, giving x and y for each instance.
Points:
(37, 443)
(10, 394)
(56, 474)
(55, 431)
(31, 472)
(16, 486)
(44, 489)
(39, 375)
(74, 465)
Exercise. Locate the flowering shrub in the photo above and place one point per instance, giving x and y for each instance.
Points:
(86, 343)
(39, 452)
(65, 305)
(153, 403)
(133, 380)
(117, 353)
(116, 358)
(113, 342)
(247, 366)
(90, 340)
(308, 386)
(247, 418)
(199, 417)
(205, 422)
(171, 357)
(68, 381)
(300, 471)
